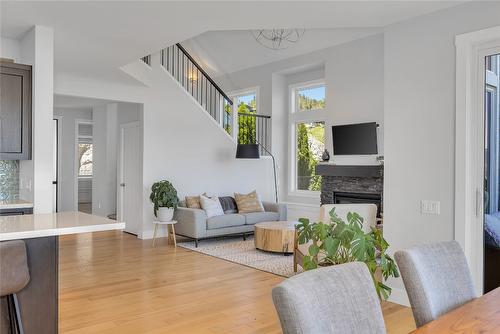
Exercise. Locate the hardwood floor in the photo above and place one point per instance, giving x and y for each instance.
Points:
(112, 282)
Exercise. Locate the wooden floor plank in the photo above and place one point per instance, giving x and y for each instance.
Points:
(112, 282)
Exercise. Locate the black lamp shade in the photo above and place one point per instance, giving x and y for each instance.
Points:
(247, 151)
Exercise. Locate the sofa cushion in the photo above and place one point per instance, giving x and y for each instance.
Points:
(225, 221)
(259, 217)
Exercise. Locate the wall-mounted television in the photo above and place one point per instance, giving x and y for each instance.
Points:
(355, 139)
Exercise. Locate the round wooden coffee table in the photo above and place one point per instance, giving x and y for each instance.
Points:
(277, 236)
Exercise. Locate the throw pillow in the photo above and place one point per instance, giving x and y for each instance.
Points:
(193, 202)
(228, 204)
(248, 202)
(211, 206)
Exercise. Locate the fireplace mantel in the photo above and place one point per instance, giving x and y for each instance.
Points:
(328, 169)
(360, 179)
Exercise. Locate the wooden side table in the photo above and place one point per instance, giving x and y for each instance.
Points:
(277, 236)
(171, 223)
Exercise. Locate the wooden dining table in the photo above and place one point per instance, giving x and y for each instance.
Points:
(481, 315)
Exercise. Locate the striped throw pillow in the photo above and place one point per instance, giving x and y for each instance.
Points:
(248, 202)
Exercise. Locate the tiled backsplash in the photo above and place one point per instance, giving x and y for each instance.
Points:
(9, 179)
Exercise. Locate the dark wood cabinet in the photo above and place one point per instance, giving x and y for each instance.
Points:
(15, 111)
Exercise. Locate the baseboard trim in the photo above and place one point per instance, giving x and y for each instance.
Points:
(399, 296)
(160, 233)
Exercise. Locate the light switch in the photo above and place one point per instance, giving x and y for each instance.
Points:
(430, 207)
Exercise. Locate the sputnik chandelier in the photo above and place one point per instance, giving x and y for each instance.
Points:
(277, 39)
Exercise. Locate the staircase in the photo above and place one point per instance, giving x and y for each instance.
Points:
(246, 128)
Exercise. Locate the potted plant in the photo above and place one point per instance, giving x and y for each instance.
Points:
(165, 200)
(338, 242)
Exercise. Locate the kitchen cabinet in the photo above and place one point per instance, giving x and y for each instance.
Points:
(15, 111)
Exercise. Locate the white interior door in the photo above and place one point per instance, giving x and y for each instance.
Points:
(129, 187)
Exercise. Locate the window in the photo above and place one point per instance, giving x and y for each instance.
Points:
(310, 98)
(245, 103)
(85, 159)
(307, 123)
(310, 141)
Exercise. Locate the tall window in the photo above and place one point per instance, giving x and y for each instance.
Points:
(307, 123)
(245, 103)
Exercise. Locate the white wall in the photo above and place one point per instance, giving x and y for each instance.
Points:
(183, 144)
(105, 120)
(420, 122)
(10, 49)
(37, 49)
(67, 157)
(354, 76)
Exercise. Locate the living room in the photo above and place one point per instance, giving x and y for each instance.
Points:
(359, 106)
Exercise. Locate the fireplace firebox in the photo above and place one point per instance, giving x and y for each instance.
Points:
(340, 197)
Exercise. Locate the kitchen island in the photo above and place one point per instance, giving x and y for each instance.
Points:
(39, 299)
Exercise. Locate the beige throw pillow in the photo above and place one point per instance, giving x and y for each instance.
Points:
(248, 202)
(193, 202)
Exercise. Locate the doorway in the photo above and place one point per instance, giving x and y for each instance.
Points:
(129, 171)
(492, 173)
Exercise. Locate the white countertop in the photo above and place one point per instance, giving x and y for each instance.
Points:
(15, 204)
(53, 224)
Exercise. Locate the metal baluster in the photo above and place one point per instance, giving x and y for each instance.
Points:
(178, 66)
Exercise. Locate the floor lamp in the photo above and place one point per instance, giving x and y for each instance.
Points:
(251, 151)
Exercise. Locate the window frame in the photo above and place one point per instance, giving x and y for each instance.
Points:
(296, 117)
(236, 94)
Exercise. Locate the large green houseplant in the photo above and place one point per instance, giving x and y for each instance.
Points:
(338, 242)
(165, 200)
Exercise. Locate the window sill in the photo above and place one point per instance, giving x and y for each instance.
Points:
(305, 193)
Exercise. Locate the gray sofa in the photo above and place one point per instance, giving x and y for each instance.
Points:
(194, 224)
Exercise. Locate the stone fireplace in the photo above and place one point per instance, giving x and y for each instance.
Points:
(351, 184)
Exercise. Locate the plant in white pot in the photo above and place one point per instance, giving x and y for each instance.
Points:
(165, 200)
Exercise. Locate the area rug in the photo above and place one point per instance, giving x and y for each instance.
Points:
(244, 252)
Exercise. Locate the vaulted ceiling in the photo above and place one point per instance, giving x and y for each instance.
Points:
(95, 38)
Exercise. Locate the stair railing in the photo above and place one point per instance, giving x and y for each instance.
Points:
(179, 63)
(248, 127)
(254, 128)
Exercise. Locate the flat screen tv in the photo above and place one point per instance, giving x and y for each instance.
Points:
(355, 139)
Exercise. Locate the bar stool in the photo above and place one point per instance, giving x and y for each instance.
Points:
(14, 276)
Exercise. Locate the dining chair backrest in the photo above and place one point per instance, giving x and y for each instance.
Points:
(14, 273)
(437, 279)
(337, 299)
(367, 211)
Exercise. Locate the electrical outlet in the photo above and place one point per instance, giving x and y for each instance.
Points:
(430, 207)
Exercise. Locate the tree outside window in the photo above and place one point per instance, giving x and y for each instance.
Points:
(307, 118)
(310, 145)
(85, 159)
(247, 126)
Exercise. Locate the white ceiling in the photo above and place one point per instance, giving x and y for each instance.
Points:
(95, 38)
(223, 52)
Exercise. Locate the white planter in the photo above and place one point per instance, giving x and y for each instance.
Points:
(165, 214)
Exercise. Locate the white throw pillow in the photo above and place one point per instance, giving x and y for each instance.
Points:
(211, 205)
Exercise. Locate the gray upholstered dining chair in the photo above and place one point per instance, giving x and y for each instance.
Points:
(14, 276)
(437, 279)
(336, 299)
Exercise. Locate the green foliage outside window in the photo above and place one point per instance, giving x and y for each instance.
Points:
(307, 159)
(247, 128)
(307, 103)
